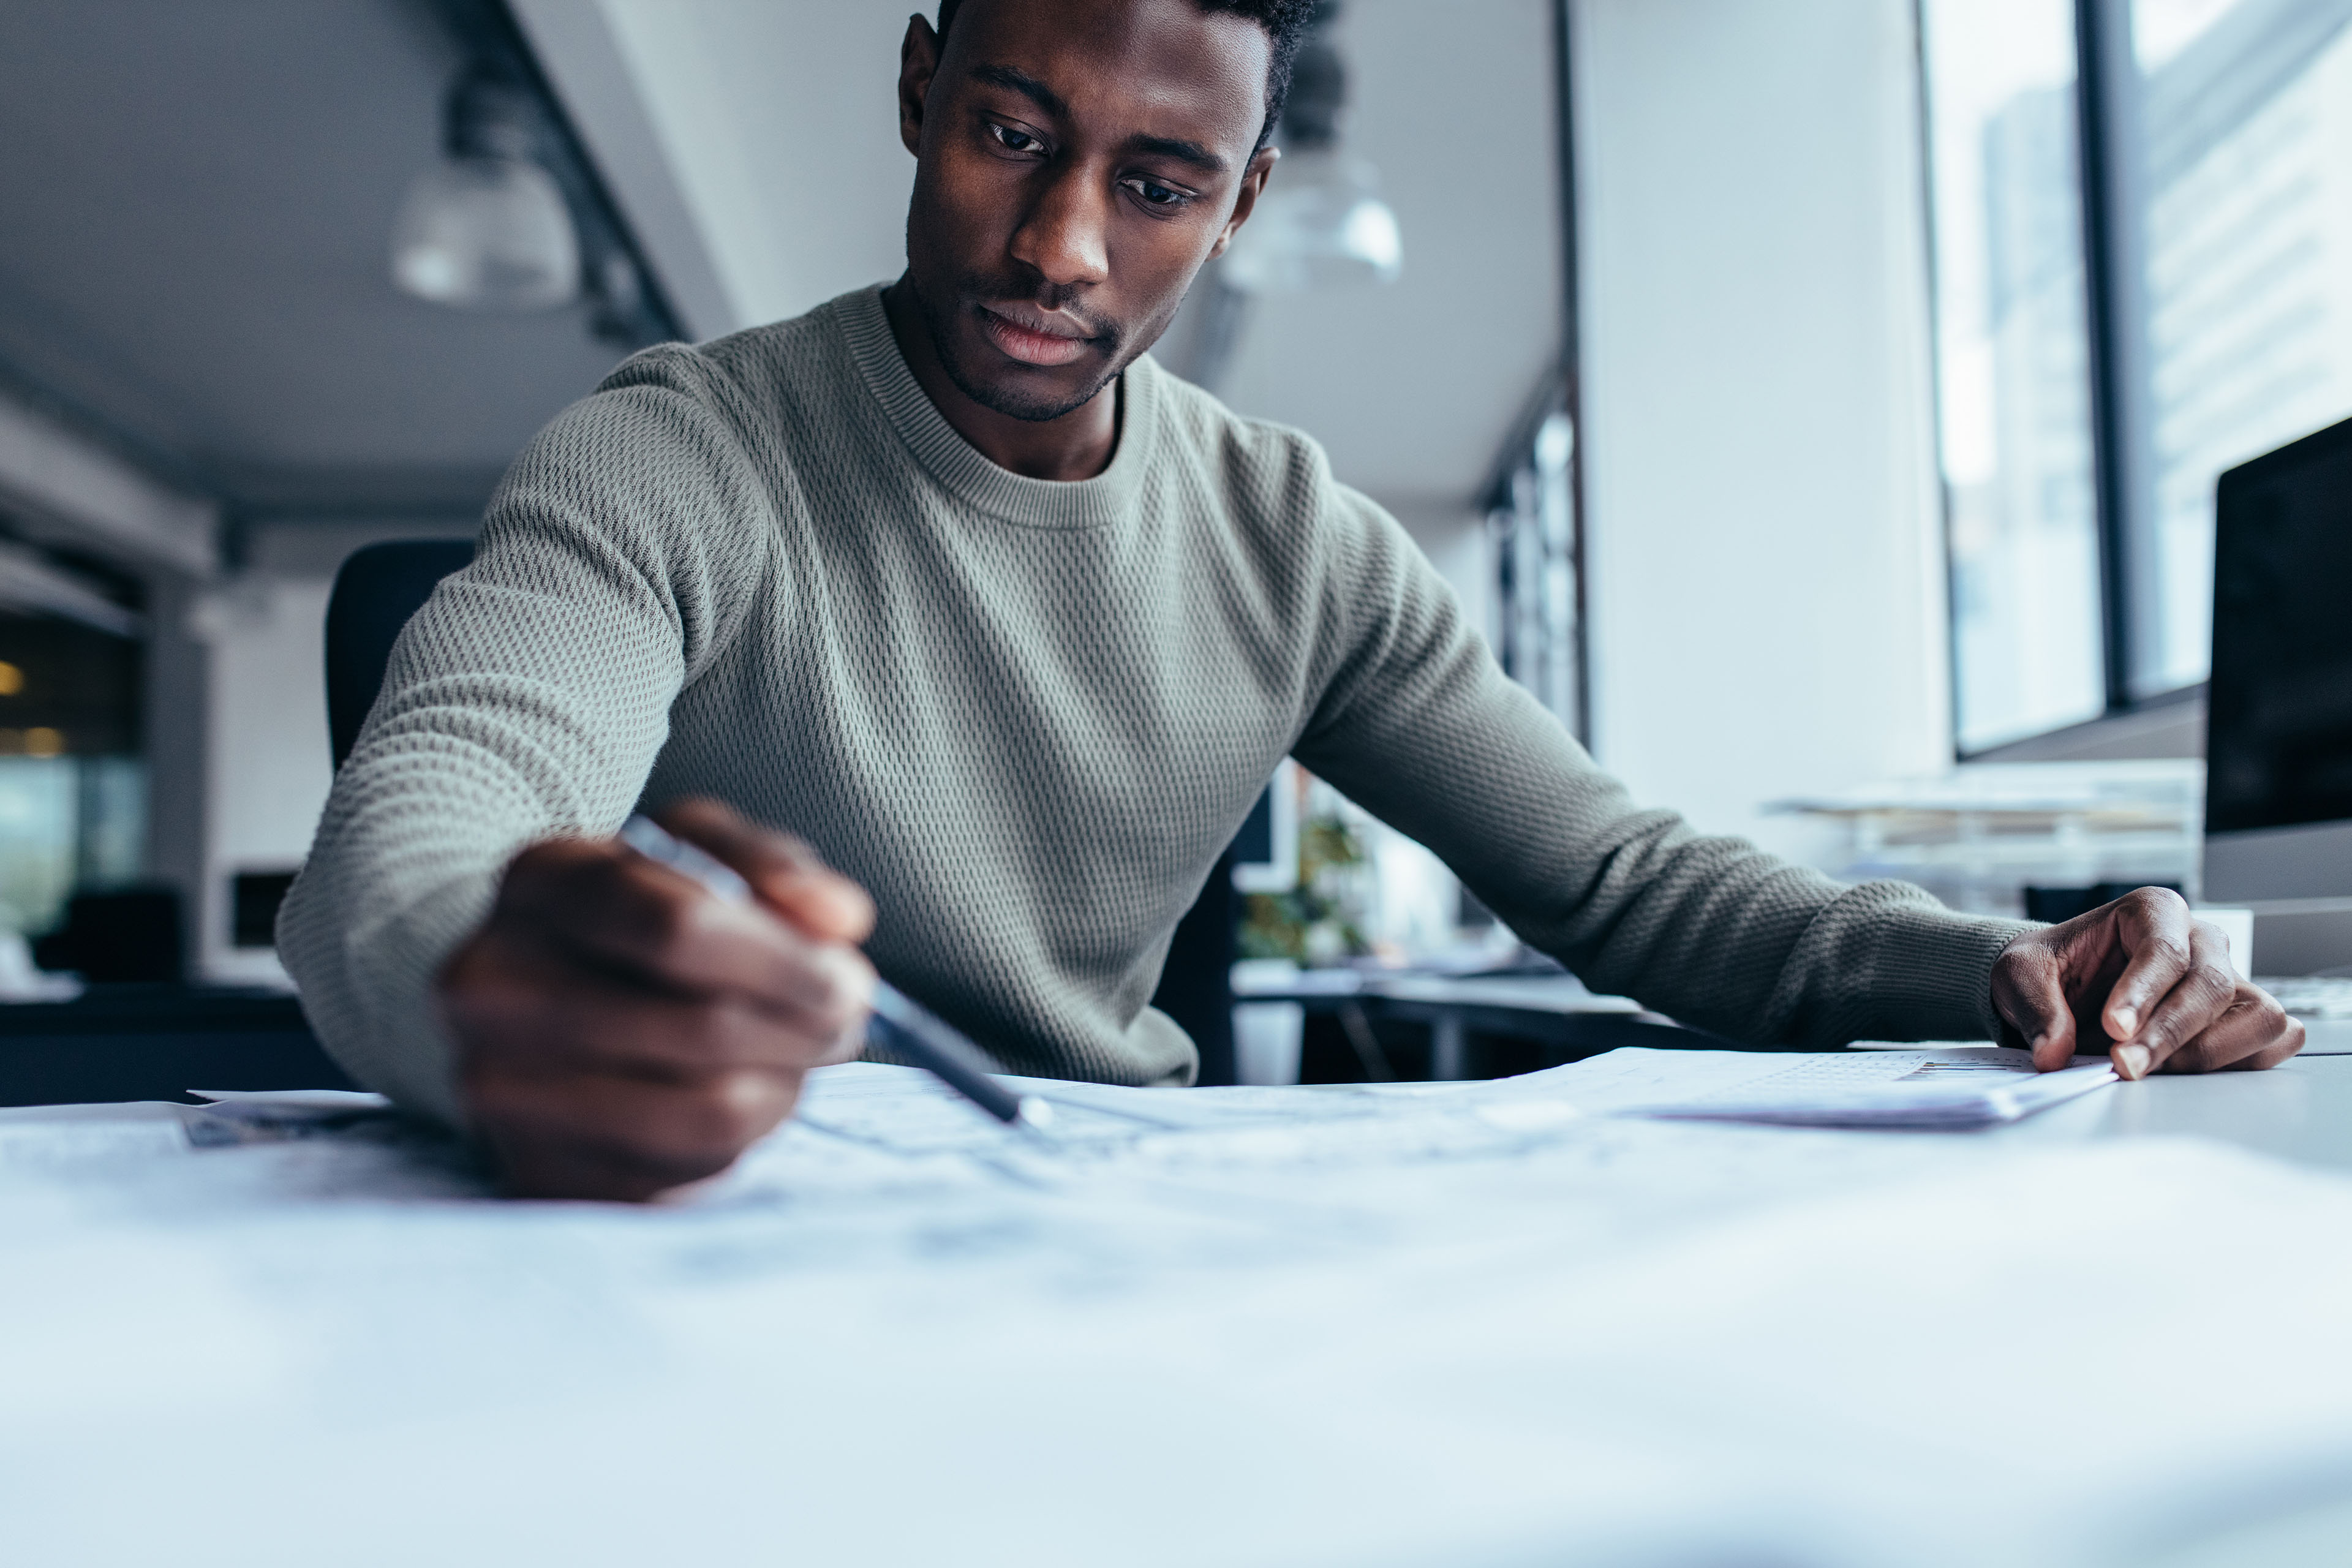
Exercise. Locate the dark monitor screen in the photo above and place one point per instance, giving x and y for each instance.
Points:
(2278, 745)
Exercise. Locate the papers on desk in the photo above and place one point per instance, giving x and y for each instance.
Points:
(1469, 1323)
(1933, 1095)
(1950, 1088)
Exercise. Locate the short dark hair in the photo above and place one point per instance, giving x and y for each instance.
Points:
(1285, 23)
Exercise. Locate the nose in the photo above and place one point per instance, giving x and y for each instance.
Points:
(1065, 235)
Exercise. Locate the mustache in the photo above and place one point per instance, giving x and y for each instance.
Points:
(979, 289)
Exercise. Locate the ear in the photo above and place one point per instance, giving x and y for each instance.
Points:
(919, 62)
(1254, 178)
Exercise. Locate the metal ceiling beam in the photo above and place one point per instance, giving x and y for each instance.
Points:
(30, 583)
(68, 490)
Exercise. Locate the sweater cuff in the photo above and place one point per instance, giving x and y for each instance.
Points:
(1934, 973)
(399, 1047)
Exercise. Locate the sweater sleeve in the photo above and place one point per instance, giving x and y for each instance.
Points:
(527, 700)
(1418, 724)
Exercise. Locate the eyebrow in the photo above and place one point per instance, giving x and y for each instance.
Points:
(1046, 99)
(1027, 86)
(1184, 151)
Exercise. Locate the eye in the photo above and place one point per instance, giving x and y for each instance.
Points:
(1014, 139)
(1152, 194)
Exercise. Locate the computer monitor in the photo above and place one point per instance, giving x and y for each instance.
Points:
(2278, 750)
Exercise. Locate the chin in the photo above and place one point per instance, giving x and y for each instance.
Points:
(1017, 391)
(1034, 404)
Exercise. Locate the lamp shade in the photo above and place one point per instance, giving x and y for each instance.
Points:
(1321, 221)
(489, 234)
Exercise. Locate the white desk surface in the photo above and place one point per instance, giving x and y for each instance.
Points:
(2301, 1112)
(1304, 1328)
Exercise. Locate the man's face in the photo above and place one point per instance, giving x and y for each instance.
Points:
(1077, 161)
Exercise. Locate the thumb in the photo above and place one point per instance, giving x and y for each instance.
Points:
(2033, 1001)
(788, 876)
(820, 902)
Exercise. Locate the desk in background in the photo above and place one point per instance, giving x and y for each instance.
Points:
(1472, 1026)
(138, 1042)
(157, 1042)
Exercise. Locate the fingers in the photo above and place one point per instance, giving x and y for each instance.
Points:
(623, 1140)
(2030, 992)
(610, 907)
(621, 1030)
(786, 873)
(537, 1009)
(2154, 929)
(2253, 1031)
(2200, 995)
(2141, 974)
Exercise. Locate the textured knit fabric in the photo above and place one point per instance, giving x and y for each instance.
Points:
(1025, 715)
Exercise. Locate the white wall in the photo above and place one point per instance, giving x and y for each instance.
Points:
(1764, 551)
(267, 762)
(267, 765)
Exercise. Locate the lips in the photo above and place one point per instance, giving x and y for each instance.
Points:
(1039, 342)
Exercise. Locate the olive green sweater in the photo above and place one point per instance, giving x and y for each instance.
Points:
(1025, 715)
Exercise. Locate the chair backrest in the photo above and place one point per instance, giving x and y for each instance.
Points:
(377, 590)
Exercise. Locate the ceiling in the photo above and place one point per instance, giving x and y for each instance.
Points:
(199, 202)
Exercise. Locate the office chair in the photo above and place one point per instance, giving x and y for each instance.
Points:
(379, 587)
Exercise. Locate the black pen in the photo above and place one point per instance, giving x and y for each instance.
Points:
(900, 1023)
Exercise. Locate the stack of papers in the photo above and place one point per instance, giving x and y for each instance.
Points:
(1873, 1086)
(1953, 1089)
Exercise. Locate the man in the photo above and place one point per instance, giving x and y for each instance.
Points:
(945, 584)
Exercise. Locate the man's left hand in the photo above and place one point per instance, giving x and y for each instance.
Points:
(2142, 981)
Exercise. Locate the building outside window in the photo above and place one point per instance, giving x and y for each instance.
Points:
(2143, 225)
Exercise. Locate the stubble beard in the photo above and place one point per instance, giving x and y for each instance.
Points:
(999, 399)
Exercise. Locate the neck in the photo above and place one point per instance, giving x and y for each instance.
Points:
(1075, 446)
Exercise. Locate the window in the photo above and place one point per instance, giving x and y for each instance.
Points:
(1538, 631)
(2014, 363)
(2143, 226)
(72, 787)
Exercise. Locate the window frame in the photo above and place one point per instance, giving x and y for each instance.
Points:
(2122, 393)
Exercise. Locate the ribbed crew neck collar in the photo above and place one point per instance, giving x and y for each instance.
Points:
(959, 467)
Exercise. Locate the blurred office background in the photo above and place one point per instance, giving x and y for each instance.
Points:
(1810, 396)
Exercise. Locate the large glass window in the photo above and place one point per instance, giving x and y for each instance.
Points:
(2244, 155)
(2143, 216)
(2014, 356)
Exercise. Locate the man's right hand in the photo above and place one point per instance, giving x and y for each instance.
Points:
(620, 1031)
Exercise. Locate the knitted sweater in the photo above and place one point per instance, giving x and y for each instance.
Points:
(1025, 715)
